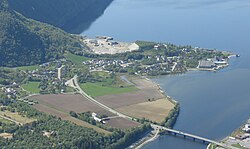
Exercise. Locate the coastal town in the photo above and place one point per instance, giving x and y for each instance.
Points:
(118, 76)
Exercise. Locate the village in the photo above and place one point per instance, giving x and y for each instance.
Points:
(241, 137)
(150, 62)
(115, 77)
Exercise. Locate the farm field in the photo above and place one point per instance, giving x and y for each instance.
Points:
(67, 102)
(125, 99)
(121, 123)
(32, 87)
(97, 89)
(156, 110)
(61, 104)
(145, 90)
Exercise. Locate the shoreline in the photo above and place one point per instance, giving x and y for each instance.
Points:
(233, 138)
(176, 102)
(154, 133)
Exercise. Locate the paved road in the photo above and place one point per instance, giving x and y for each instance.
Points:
(149, 140)
(59, 72)
(74, 83)
(193, 136)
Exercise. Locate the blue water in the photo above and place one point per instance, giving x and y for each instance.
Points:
(212, 104)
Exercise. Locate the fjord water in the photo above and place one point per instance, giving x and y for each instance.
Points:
(212, 104)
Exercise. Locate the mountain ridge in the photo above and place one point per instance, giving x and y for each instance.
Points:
(65, 14)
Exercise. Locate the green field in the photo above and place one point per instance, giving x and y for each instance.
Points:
(97, 89)
(75, 58)
(29, 68)
(32, 87)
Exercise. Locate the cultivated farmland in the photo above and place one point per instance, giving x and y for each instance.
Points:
(61, 104)
(147, 90)
(153, 110)
(67, 103)
(122, 123)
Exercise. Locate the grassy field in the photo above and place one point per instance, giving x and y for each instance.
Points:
(75, 58)
(98, 89)
(31, 87)
(155, 110)
(17, 117)
(29, 68)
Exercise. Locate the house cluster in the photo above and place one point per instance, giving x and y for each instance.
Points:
(96, 118)
(102, 63)
(247, 127)
(246, 130)
(10, 90)
(159, 68)
(46, 74)
(212, 63)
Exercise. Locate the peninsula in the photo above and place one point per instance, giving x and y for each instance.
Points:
(62, 90)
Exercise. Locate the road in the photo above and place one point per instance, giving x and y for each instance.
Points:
(149, 140)
(59, 72)
(74, 83)
(193, 136)
(174, 66)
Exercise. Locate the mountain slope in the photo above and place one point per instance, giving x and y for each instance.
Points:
(26, 42)
(66, 14)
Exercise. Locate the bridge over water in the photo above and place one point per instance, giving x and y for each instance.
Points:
(194, 137)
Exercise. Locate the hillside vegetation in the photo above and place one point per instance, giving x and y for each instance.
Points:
(27, 42)
(65, 14)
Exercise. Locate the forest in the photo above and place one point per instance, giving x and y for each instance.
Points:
(65, 134)
(27, 42)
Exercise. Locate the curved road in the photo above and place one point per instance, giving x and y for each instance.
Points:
(74, 83)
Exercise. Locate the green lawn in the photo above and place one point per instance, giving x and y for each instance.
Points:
(29, 68)
(97, 89)
(75, 58)
(31, 87)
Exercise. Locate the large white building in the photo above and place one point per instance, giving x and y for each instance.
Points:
(247, 126)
